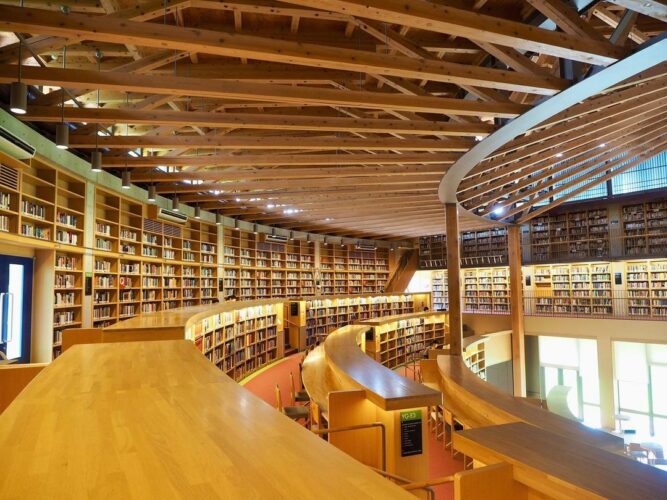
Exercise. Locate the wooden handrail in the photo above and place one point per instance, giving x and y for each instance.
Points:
(425, 484)
(405, 481)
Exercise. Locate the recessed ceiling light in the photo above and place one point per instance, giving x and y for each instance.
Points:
(499, 210)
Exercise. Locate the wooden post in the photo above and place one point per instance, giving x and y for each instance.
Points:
(516, 308)
(454, 278)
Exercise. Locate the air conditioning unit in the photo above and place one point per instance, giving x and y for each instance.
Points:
(276, 238)
(365, 246)
(166, 214)
(14, 146)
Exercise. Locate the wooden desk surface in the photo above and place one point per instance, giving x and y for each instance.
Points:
(468, 395)
(544, 461)
(384, 387)
(318, 379)
(157, 420)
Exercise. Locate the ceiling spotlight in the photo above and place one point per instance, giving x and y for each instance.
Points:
(152, 193)
(197, 212)
(62, 136)
(96, 161)
(238, 200)
(559, 155)
(174, 203)
(603, 145)
(18, 98)
(499, 210)
(478, 138)
(126, 179)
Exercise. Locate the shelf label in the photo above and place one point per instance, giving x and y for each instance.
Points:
(411, 433)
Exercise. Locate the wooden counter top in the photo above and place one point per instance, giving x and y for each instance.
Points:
(562, 467)
(478, 403)
(157, 420)
(318, 379)
(387, 389)
(398, 317)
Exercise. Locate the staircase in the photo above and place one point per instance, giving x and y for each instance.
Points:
(404, 272)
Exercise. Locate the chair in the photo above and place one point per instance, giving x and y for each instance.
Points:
(638, 452)
(293, 412)
(297, 396)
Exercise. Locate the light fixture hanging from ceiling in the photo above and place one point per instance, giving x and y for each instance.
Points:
(126, 178)
(62, 129)
(18, 94)
(218, 219)
(96, 157)
(152, 193)
(174, 203)
(197, 212)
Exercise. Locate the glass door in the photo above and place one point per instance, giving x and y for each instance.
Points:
(15, 307)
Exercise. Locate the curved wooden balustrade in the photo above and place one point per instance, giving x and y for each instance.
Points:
(384, 387)
(142, 420)
(477, 403)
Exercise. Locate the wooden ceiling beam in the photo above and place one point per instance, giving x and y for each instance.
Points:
(324, 143)
(613, 20)
(419, 183)
(544, 181)
(240, 121)
(286, 173)
(567, 19)
(651, 8)
(259, 160)
(526, 176)
(170, 85)
(425, 15)
(86, 27)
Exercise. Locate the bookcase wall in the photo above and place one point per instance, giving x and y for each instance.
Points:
(255, 268)
(645, 229)
(397, 343)
(484, 290)
(567, 236)
(143, 265)
(324, 315)
(241, 341)
(647, 288)
(488, 244)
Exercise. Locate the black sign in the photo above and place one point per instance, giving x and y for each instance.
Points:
(411, 433)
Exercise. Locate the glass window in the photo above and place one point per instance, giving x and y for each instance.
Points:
(651, 174)
(659, 389)
(633, 395)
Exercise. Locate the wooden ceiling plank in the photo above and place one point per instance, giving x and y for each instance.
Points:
(613, 20)
(85, 27)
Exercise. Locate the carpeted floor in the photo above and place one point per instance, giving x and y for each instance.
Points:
(263, 385)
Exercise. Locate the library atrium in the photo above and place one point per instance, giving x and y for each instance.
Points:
(333, 249)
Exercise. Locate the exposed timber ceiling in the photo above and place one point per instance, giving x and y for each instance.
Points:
(334, 116)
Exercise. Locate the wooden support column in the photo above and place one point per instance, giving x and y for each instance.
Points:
(454, 277)
(516, 308)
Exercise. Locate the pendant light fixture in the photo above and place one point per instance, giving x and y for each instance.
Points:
(218, 219)
(197, 212)
(62, 130)
(96, 157)
(127, 182)
(254, 229)
(236, 225)
(152, 193)
(18, 94)
(174, 203)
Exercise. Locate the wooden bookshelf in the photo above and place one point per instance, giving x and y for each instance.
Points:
(486, 290)
(644, 228)
(399, 342)
(490, 242)
(578, 289)
(324, 315)
(439, 291)
(570, 236)
(433, 252)
(68, 292)
(241, 341)
(474, 357)
(647, 288)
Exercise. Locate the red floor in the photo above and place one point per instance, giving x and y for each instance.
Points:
(263, 386)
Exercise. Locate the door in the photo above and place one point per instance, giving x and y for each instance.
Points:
(16, 307)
